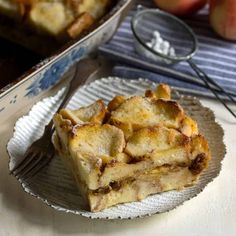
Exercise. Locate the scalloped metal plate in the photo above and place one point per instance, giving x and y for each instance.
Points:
(56, 188)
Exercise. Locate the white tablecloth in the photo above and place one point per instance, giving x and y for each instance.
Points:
(212, 212)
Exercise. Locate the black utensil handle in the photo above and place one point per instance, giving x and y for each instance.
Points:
(203, 74)
(206, 79)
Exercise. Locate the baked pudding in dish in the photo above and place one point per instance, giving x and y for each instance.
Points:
(133, 147)
(57, 18)
(52, 27)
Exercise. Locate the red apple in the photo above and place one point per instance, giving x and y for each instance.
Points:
(223, 18)
(181, 7)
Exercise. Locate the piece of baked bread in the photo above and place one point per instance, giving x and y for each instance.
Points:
(139, 112)
(94, 113)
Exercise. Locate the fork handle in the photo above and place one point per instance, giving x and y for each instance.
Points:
(84, 69)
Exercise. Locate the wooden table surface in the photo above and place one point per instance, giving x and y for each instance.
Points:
(212, 212)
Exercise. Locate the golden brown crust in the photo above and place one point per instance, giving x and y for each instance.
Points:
(150, 94)
(82, 23)
(171, 109)
(163, 91)
(154, 139)
(97, 140)
(189, 126)
(115, 103)
(94, 113)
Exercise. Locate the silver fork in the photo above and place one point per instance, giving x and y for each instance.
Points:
(41, 152)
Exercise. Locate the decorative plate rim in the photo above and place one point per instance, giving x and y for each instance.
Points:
(62, 209)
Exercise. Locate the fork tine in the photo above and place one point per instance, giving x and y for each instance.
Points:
(37, 168)
(28, 157)
(37, 158)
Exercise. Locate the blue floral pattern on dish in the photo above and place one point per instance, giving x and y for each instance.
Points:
(54, 73)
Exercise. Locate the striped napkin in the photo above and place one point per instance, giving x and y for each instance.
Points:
(217, 57)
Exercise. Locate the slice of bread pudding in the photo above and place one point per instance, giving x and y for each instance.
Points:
(135, 147)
